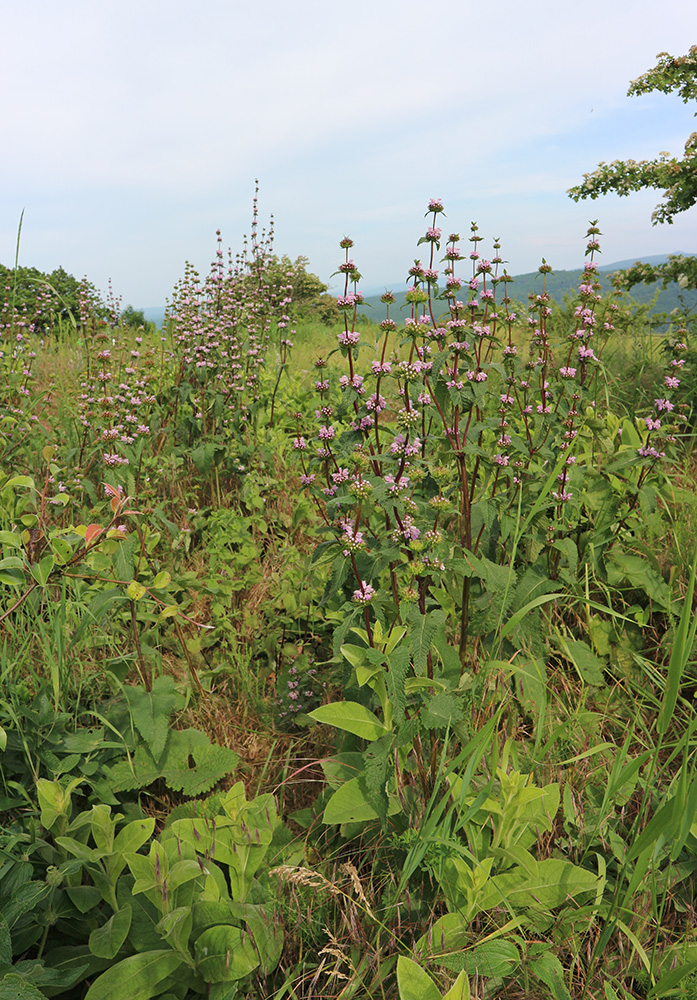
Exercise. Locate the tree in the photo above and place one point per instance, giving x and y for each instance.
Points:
(677, 178)
(42, 299)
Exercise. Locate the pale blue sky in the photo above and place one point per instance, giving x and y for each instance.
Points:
(133, 129)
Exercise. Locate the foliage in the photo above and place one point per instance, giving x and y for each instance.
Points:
(434, 602)
(190, 913)
(39, 302)
(677, 178)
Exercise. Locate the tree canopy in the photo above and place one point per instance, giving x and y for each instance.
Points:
(677, 178)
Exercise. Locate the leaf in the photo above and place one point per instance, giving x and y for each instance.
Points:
(135, 590)
(41, 571)
(162, 580)
(414, 982)
(548, 968)
(492, 959)
(92, 532)
(5, 943)
(422, 634)
(136, 977)
(542, 884)
(353, 803)
(441, 711)
(351, 717)
(151, 711)
(106, 941)
(589, 666)
(16, 987)
(224, 954)
(460, 990)
(377, 759)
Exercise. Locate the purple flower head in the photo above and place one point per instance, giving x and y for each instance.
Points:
(365, 594)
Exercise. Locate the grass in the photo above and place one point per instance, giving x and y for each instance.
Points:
(423, 821)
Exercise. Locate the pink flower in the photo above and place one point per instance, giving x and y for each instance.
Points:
(365, 594)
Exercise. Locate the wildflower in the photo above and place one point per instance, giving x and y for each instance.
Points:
(663, 404)
(381, 368)
(652, 424)
(299, 443)
(350, 338)
(501, 459)
(365, 594)
(672, 382)
(567, 372)
(308, 480)
(433, 234)
(326, 433)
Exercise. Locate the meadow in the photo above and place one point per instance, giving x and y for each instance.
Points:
(349, 658)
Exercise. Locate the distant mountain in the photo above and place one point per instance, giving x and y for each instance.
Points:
(657, 258)
(559, 284)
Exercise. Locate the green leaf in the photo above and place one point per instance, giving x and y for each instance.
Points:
(548, 968)
(42, 570)
(136, 977)
(414, 982)
(351, 717)
(224, 954)
(460, 990)
(542, 884)
(15, 987)
(589, 666)
(377, 759)
(353, 803)
(135, 590)
(492, 959)
(441, 711)
(5, 943)
(106, 941)
(151, 711)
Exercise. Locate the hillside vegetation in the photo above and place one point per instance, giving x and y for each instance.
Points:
(348, 659)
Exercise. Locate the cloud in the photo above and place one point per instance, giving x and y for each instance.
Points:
(138, 127)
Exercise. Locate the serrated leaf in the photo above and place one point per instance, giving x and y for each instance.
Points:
(151, 711)
(376, 764)
(441, 711)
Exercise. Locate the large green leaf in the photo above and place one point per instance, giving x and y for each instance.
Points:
(414, 982)
(224, 954)
(353, 803)
(351, 717)
(106, 941)
(135, 978)
(540, 885)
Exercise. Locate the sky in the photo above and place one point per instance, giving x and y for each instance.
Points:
(134, 129)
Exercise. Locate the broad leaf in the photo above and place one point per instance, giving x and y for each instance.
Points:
(351, 717)
(135, 978)
(414, 982)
